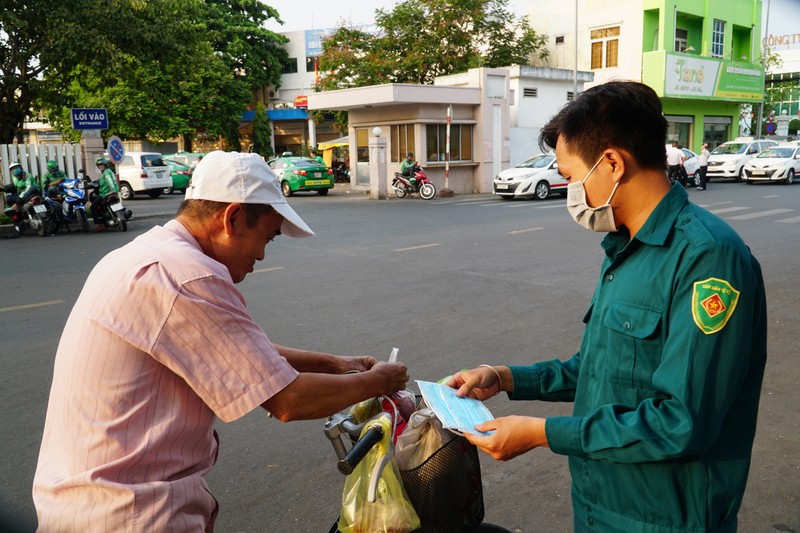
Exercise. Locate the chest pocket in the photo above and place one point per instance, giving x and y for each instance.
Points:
(634, 344)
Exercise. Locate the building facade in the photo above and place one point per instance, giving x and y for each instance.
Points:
(701, 58)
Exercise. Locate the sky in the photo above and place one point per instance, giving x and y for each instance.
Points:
(320, 14)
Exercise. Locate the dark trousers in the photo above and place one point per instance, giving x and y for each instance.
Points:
(702, 173)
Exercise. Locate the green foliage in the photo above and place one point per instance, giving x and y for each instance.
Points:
(161, 68)
(262, 133)
(794, 126)
(422, 39)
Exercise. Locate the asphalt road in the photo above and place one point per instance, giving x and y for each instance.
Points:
(452, 283)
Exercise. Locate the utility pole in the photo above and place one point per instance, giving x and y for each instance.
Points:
(764, 66)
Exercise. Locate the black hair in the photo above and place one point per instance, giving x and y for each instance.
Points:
(619, 114)
(204, 209)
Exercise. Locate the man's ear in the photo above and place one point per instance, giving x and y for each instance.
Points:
(618, 161)
(232, 218)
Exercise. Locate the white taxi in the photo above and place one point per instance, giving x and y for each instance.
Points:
(779, 163)
(536, 177)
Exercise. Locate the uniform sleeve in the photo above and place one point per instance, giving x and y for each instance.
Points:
(702, 372)
(552, 380)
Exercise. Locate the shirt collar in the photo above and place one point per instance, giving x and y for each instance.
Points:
(658, 225)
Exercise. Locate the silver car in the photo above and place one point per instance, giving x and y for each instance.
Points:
(536, 177)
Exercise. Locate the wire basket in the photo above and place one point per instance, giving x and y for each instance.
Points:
(446, 489)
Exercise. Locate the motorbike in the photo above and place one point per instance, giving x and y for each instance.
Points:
(34, 214)
(112, 212)
(341, 174)
(403, 186)
(70, 204)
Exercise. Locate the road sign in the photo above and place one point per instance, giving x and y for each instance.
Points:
(89, 118)
(115, 149)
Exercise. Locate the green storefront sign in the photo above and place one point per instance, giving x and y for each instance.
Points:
(686, 76)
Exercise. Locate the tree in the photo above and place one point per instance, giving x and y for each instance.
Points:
(262, 133)
(43, 42)
(422, 39)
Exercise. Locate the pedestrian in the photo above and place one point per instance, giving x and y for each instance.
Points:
(674, 162)
(667, 379)
(316, 157)
(703, 160)
(684, 176)
(159, 344)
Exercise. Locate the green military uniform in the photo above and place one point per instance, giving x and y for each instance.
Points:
(667, 381)
(406, 164)
(24, 183)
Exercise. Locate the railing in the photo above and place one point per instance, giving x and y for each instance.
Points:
(34, 157)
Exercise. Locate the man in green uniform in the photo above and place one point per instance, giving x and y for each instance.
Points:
(667, 379)
(407, 166)
(52, 179)
(22, 188)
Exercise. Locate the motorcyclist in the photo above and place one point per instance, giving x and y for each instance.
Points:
(408, 166)
(107, 184)
(52, 179)
(22, 188)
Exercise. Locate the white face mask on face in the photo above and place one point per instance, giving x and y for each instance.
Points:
(592, 218)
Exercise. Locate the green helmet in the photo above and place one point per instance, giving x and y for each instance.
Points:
(102, 161)
(52, 166)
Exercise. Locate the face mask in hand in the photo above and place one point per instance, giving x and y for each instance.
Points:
(592, 218)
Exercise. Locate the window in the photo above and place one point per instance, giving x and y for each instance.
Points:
(460, 142)
(530, 92)
(402, 141)
(681, 39)
(559, 39)
(718, 38)
(311, 63)
(605, 47)
(290, 67)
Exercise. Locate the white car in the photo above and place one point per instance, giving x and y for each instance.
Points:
(779, 163)
(143, 172)
(728, 159)
(536, 177)
(691, 164)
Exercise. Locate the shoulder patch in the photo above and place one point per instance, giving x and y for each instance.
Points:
(713, 303)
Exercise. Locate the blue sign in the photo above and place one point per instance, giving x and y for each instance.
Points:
(89, 118)
(115, 149)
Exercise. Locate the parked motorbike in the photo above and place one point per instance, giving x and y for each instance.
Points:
(34, 214)
(341, 174)
(403, 186)
(112, 212)
(70, 204)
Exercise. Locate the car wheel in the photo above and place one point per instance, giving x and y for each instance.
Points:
(541, 191)
(323, 192)
(740, 176)
(789, 177)
(125, 191)
(286, 189)
(748, 182)
(696, 178)
(167, 190)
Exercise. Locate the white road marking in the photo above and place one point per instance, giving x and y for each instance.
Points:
(761, 214)
(794, 220)
(728, 210)
(31, 306)
(523, 230)
(271, 269)
(417, 247)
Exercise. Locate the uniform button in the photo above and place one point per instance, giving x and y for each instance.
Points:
(626, 326)
(609, 277)
(589, 521)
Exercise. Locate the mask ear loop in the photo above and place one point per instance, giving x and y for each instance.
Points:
(612, 193)
(592, 169)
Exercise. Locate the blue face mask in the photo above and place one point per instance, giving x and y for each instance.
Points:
(17, 171)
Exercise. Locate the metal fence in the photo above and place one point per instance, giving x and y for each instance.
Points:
(34, 157)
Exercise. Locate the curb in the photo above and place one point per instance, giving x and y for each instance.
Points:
(8, 229)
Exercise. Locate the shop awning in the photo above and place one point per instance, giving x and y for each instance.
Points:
(341, 141)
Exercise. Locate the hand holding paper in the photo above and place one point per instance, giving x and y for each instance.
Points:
(459, 415)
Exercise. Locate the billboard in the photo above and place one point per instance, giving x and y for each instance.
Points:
(709, 78)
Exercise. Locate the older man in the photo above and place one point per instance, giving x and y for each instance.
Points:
(160, 344)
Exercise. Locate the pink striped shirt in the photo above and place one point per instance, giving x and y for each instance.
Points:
(157, 346)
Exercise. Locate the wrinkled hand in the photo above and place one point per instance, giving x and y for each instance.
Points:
(479, 383)
(394, 376)
(359, 363)
(513, 436)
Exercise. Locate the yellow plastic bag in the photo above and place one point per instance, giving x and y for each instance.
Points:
(391, 512)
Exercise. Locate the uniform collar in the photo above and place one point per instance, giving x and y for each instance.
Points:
(659, 224)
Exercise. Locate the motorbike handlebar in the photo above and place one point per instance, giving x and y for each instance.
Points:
(360, 449)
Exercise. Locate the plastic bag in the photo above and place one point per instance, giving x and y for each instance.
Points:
(391, 512)
(423, 435)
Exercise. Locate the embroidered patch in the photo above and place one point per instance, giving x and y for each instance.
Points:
(713, 303)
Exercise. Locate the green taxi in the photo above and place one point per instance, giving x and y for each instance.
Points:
(302, 174)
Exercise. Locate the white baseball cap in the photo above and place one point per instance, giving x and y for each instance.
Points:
(236, 178)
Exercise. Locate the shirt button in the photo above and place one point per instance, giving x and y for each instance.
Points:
(626, 326)
(609, 277)
(589, 521)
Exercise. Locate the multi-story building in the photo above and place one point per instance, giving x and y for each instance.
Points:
(782, 37)
(702, 58)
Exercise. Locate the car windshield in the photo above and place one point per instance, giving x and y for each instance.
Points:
(730, 148)
(538, 161)
(777, 153)
(175, 165)
(152, 161)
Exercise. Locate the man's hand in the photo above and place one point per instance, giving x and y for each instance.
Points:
(393, 375)
(359, 363)
(482, 382)
(513, 436)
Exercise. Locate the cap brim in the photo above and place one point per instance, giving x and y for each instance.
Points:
(293, 225)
